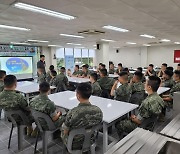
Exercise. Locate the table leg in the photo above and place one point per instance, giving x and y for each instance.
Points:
(105, 137)
(27, 97)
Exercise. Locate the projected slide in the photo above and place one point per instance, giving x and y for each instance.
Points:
(21, 67)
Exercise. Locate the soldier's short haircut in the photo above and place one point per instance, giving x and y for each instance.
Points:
(164, 64)
(103, 71)
(2, 73)
(53, 73)
(139, 69)
(51, 67)
(139, 75)
(44, 87)
(126, 69)
(9, 81)
(170, 68)
(63, 68)
(103, 65)
(120, 64)
(124, 74)
(77, 66)
(151, 65)
(154, 82)
(85, 66)
(177, 72)
(84, 90)
(168, 72)
(94, 76)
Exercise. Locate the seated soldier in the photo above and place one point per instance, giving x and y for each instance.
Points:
(10, 100)
(121, 90)
(111, 69)
(2, 76)
(53, 78)
(150, 71)
(137, 89)
(175, 88)
(41, 76)
(76, 72)
(119, 69)
(96, 89)
(105, 83)
(84, 115)
(163, 68)
(151, 106)
(85, 72)
(167, 80)
(130, 76)
(61, 80)
(140, 69)
(48, 74)
(43, 104)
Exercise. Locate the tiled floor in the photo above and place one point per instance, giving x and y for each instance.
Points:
(54, 146)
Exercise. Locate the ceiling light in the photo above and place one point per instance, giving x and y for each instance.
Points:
(40, 41)
(176, 42)
(73, 44)
(148, 36)
(80, 47)
(54, 45)
(69, 35)
(165, 40)
(147, 45)
(115, 28)
(43, 11)
(107, 40)
(94, 45)
(20, 43)
(13, 27)
(116, 47)
(130, 43)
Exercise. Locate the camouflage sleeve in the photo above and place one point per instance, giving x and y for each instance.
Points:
(23, 102)
(66, 80)
(119, 91)
(51, 109)
(67, 122)
(144, 110)
(173, 89)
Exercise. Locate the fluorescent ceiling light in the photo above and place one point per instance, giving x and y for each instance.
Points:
(116, 47)
(148, 36)
(147, 45)
(15, 28)
(40, 41)
(54, 45)
(115, 28)
(130, 43)
(69, 35)
(176, 42)
(43, 11)
(165, 40)
(23, 43)
(107, 40)
(73, 44)
(94, 45)
(80, 47)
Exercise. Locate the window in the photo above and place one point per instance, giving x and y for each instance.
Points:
(91, 57)
(85, 56)
(77, 57)
(60, 57)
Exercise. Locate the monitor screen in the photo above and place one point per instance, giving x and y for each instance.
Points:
(19, 66)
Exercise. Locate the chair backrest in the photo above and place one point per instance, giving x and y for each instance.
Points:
(87, 133)
(150, 123)
(20, 114)
(137, 97)
(176, 104)
(38, 116)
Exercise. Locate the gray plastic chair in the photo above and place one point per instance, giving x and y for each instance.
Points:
(87, 144)
(0, 112)
(24, 123)
(51, 128)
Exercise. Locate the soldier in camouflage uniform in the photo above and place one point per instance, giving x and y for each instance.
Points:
(85, 72)
(151, 106)
(137, 88)
(41, 76)
(48, 74)
(76, 72)
(53, 78)
(2, 76)
(111, 69)
(10, 100)
(84, 115)
(121, 90)
(119, 69)
(167, 80)
(43, 104)
(96, 89)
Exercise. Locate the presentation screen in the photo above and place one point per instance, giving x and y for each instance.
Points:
(19, 66)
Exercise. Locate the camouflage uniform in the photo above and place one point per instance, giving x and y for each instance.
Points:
(123, 93)
(106, 83)
(1, 85)
(130, 76)
(152, 105)
(175, 88)
(41, 78)
(85, 73)
(168, 83)
(10, 100)
(53, 82)
(111, 71)
(84, 115)
(96, 89)
(62, 78)
(152, 72)
(43, 104)
(76, 73)
(48, 76)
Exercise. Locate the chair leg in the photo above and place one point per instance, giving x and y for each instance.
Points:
(93, 147)
(37, 137)
(44, 142)
(20, 136)
(9, 143)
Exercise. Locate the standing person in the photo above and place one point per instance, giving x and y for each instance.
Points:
(41, 64)
(150, 71)
(163, 68)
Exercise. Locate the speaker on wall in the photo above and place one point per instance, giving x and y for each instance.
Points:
(117, 50)
(98, 46)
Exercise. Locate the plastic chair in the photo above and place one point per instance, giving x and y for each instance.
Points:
(0, 112)
(88, 144)
(51, 128)
(24, 123)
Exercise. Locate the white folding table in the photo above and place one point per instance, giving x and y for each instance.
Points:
(27, 87)
(113, 76)
(162, 90)
(112, 110)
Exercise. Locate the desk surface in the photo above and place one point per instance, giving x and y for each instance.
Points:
(28, 87)
(111, 109)
(140, 141)
(162, 90)
(113, 76)
(78, 80)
